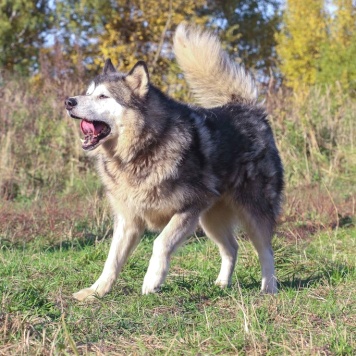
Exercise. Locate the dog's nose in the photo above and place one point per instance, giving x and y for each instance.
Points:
(70, 103)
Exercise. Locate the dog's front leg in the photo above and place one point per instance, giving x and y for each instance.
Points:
(180, 226)
(127, 233)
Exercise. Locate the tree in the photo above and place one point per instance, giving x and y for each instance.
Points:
(66, 34)
(86, 32)
(300, 41)
(337, 65)
(130, 30)
(344, 24)
(142, 30)
(249, 27)
(22, 32)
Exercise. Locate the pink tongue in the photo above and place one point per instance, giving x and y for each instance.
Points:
(88, 127)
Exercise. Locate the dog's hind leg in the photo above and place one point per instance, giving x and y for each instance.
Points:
(260, 231)
(126, 236)
(218, 223)
(179, 227)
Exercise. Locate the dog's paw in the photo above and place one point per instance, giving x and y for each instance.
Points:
(270, 287)
(86, 294)
(222, 283)
(155, 276)
(148, 288)
(269, 290)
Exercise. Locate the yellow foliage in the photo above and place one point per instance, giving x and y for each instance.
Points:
(142, 30)
(344, 25)
(300, 40)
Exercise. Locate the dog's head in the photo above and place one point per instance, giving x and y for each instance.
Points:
(109, 97)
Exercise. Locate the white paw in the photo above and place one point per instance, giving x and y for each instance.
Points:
(223, 283)
(148, 288)
(155, 275)
(86, 294)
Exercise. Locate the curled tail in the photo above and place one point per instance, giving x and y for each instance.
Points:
(213, 77)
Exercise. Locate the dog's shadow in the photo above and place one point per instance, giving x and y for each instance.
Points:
(331, 274)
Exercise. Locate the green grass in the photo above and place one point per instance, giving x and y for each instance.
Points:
(314, 312)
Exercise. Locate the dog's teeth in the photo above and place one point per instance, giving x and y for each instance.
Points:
(82, 140)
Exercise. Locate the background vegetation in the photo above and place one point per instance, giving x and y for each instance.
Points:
(54, 219)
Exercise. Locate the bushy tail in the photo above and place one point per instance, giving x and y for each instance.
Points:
(213, 77)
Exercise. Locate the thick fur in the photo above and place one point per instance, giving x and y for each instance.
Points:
(168, 166)
(201, 58)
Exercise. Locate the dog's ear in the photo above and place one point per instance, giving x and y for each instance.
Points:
(109, 67)
(138, 79)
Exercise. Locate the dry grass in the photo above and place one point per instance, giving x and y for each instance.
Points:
(39, 149)
(316, 136)
(55, 219)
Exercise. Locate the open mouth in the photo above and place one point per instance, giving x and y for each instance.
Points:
(94, 132)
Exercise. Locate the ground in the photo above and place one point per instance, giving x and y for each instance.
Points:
(57, 247)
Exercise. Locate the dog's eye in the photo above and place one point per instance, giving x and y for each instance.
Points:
(102, 96)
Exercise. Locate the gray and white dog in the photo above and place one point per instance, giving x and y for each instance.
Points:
(168, 166)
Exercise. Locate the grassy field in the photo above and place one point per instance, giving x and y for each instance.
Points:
(314, 312)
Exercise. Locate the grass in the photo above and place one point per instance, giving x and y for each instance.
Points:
(314, 312)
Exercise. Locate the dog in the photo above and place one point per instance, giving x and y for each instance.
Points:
(169, 167)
